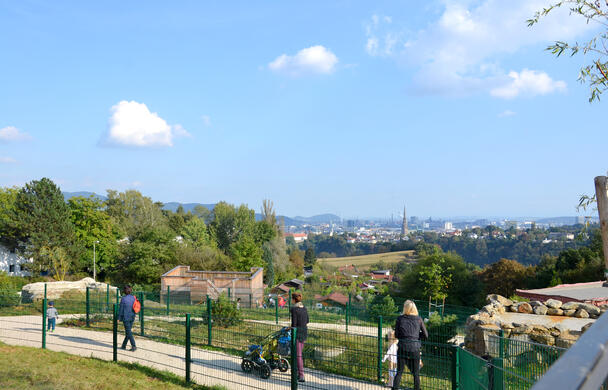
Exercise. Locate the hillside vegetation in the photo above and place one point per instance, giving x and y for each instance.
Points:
(365, 261)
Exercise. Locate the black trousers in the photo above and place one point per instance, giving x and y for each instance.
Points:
(128, 334)
(411, 359)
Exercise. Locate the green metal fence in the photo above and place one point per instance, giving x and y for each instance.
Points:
(205, 344)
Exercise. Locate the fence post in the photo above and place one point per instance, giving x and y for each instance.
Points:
(229, 296)
(288, 300)
(141, 313)
(117, 295)
(251, 301)
(209, 320)
(88, 308)
(44, 319)
(294, 357)
(455, 367)
(188, 346)
(498, 377)
(107, 297)
(501, 344)
(380, 349)
(348, 312)
(276, 312)
(168, 298)
(115, 333)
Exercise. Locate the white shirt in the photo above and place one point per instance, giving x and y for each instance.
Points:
(391, 354)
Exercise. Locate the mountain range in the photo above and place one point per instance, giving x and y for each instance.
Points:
(189, 207)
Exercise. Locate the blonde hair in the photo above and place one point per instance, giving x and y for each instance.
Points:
(390, 337)
(409, 308)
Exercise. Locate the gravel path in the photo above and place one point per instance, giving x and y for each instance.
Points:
(208, 367)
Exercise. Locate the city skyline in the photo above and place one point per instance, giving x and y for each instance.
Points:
(454, 108)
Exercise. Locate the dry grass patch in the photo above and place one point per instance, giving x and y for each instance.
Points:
(365, 261)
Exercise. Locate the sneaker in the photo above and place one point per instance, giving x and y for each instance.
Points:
(123, 347)
(133, 349)
(301, 380)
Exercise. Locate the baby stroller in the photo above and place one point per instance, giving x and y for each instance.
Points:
(269, 354)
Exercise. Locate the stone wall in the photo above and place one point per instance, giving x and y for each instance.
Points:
(551, 323)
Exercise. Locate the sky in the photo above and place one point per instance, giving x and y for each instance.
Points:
(450, 107)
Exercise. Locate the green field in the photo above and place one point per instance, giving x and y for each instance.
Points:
(34, 368)
(365, 261)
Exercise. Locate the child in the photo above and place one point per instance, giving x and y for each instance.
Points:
(391, 356)
(51, 314)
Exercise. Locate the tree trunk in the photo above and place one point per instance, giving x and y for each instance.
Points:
(601, 195)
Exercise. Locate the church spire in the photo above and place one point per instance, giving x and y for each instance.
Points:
(404, 229)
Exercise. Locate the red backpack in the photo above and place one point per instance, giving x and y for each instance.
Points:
(136, 305)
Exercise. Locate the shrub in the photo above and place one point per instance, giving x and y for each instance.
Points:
(224, 312)
(382, 306)
(441, 329)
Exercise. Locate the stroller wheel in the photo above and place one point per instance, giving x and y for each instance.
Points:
(265, 371)
(246, 365)
(283, 365)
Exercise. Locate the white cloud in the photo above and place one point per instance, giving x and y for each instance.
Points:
(506, 114)
(132, 124)
(13, 134)
(529, 83)
(7, 160)
(460, 51)
(312, 60)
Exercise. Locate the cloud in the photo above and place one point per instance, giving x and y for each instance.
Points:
(312, 60)
(529, 83)
(506, 114)
(13, 134)
(132, 124)
(7, 160)
(459, 52)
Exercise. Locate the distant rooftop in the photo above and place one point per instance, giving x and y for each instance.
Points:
(591, 292)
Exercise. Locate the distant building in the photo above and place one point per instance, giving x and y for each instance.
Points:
(448, 226)
(185, 285)
(297, 237)
(404, 230)
(12, 263)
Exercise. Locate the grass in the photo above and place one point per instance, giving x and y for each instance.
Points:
(34, 368)
(365, 261)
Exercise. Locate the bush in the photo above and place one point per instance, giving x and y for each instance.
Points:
(382, 306)
(224, 312)
(441, 329)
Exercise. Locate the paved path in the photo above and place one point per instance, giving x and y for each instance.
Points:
(208, 367)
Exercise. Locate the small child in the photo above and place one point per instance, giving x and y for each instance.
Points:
(51, 314)
(391, 356)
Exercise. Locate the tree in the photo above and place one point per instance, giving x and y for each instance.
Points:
(435, 281)
(296, 259)
(134, 212)
(309, 256)
(93, 225)
(9, 232)
(230, 224)
(195, 232)
(280, 260)
(593, 11)
(246, 254)
(382, 306)
(44, 223)
(504, 276)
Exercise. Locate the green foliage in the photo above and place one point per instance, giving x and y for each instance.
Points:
(224, 312)
(441, 329)
(596, 72)
(504, 276)
(382, 306)
(9, 232)
(309, 256)
(246, 254)
(133, 212)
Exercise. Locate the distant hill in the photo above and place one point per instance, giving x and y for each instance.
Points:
(69, 195)
(189, 207)
(558, 220)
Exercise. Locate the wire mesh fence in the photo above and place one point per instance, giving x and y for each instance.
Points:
(212, 342)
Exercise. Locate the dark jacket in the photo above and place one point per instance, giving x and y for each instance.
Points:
(125, 311)
(299, 320)
(409, 330)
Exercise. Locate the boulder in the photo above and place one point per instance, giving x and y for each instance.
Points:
(535, 303)
(524, 307)
(543, 338)
(565, 341)
(514, 307)
(553, 303)
(585, 327)
(540, 310)
(555, 312)
(54, 290)
(500, 299)
(570, 313)
(570, 305)
(581, 313)
(589, 308)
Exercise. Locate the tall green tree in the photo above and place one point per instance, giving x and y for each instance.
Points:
(309, 256)
(44, 224)
(134, 212)
(9, 232)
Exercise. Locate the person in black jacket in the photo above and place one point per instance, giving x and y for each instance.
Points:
(409, 330)
(299, 320)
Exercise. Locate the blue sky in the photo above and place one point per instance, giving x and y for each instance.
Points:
(350, 107)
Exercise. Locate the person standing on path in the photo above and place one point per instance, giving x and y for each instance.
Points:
(299, 320)
(126, 314)
(51, 315)
(409, 330)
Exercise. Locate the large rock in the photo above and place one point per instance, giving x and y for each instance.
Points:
(555, 312)
(570, 305)
(591, 309)
(540, 310)
(500, 299)
(553, 303)
(54, 290)
(581, 313)
(565, 341)
(570, 313)
(524, 307)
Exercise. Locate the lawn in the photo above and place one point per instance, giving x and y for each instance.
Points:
(34, 368)
(365, 261)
